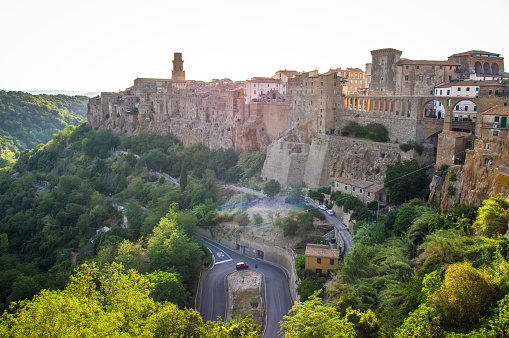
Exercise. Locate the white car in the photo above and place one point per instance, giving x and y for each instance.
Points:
(330, 212)
(322, 207)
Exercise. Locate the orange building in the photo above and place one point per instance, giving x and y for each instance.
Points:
(354, 79)
(321, 259)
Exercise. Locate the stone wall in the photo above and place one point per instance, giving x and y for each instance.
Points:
(285, 162)
(316, 174)
(274, 116)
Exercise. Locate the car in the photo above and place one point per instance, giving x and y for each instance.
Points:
(241, 265)
(322, 207)
(330, 212)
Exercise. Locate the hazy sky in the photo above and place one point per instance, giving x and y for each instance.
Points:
(104, 45)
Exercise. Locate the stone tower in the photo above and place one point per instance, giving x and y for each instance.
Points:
(178, 73)
(383, 70)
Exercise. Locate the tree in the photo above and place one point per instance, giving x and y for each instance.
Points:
(405, 181)
(464, 296)
(296, 195)
(168, 288)
(312, 319)
(493, 217)
(183, 177)
(132, 255)
(307, 288)
(272, 188)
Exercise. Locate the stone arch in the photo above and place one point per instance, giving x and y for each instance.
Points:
(464, 110)
(487, 68)
(494, 68)
(478, 67)
(427, 108)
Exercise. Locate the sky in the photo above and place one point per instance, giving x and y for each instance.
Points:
(104, 45)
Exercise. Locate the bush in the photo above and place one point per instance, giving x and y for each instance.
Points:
(242, 219)
(452, 177)
(451, 191)
(317, 214)
(257, 218)
(325, 190)
(405, 147)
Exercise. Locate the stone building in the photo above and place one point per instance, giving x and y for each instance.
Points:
(419, 77)
(178, 73)
(318, 98)
(478, 62)
(363, 190)
(494, 123)
(354, 79)
(321, 259)
(284, 75)
(383, 71)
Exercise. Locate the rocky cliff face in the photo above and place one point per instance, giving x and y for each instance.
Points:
(485, 174)
(247, 136)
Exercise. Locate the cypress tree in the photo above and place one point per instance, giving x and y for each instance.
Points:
(183, 177)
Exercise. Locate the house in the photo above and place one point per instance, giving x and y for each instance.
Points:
(321, 259)
(494, 122)
(363, 190)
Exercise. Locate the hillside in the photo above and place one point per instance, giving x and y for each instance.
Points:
(27, 120)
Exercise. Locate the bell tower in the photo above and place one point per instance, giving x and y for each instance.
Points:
(178, 73)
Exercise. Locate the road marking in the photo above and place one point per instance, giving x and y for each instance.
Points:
(224, 261)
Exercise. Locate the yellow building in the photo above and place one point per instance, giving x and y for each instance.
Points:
(354, 79)
(321, 259)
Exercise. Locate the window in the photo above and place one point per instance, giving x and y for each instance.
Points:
(457, 107)
(476, 89)
(440, 67)
(448, 92)
(459, 89)
(420, 77)
(432, 67)
(440, 91)
(306, 91)
(382, 78)
(369, 194)
(321, 91)
(346, 187)
(321, 84)
(331, 262)
(497, 118)
(487, 146)
(475, 108)
(495, 132)
(337, 185)
(468, 89)
(450, 77)
(417, 67)
(290, 91)
(319, 260)
(318, 271)
(383, 61)
(360, 190)
(353, 188)
(466, 108)
(406, 67)
(490, 92)
(381, 89)
(406, 77)
(304, 103)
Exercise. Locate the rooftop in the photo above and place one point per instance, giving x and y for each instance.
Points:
(368, 186)
(498, 110)
(426, 63)
(474, 52)
(320, 250)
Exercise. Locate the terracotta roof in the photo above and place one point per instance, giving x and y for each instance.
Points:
(479, 83)
(474, 52)
(264, 80)
(319, 250)
(497, 110)
(369, 186)
(152, 79)
(426, 63)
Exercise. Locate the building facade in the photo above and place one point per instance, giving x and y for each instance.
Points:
(321, 258)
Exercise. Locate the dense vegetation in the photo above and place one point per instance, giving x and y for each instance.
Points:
(105, 206)
(418, 273)
(27, 120)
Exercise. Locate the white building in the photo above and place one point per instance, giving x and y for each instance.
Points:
(465, 110)
(259, 86)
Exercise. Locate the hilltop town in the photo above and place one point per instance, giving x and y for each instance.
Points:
(451, 112)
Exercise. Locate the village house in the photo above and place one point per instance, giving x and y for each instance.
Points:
(321, 259)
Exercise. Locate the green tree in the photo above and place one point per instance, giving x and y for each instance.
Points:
(132, 255)
(405, 181)
(168, 288)
(296, 195)
(183, 177)
(493, 217)
(312, 319)
(307, 288)
(272, 188)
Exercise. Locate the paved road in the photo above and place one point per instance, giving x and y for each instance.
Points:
(213, 294)
(340, 227)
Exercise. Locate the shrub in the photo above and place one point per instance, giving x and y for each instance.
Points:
(451, 190)
(405, 147)
(452, 177)
(257, 218)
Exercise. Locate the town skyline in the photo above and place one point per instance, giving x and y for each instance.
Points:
(104, 47)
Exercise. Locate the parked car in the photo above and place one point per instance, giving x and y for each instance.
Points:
(330, 212)
(242, 265)
(322, 207)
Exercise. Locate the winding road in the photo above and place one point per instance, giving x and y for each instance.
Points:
(276, 293)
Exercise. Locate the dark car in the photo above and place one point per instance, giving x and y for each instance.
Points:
(242, 265)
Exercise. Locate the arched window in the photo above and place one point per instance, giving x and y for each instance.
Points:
(494, 69)
(487, 68)
(478, 68)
